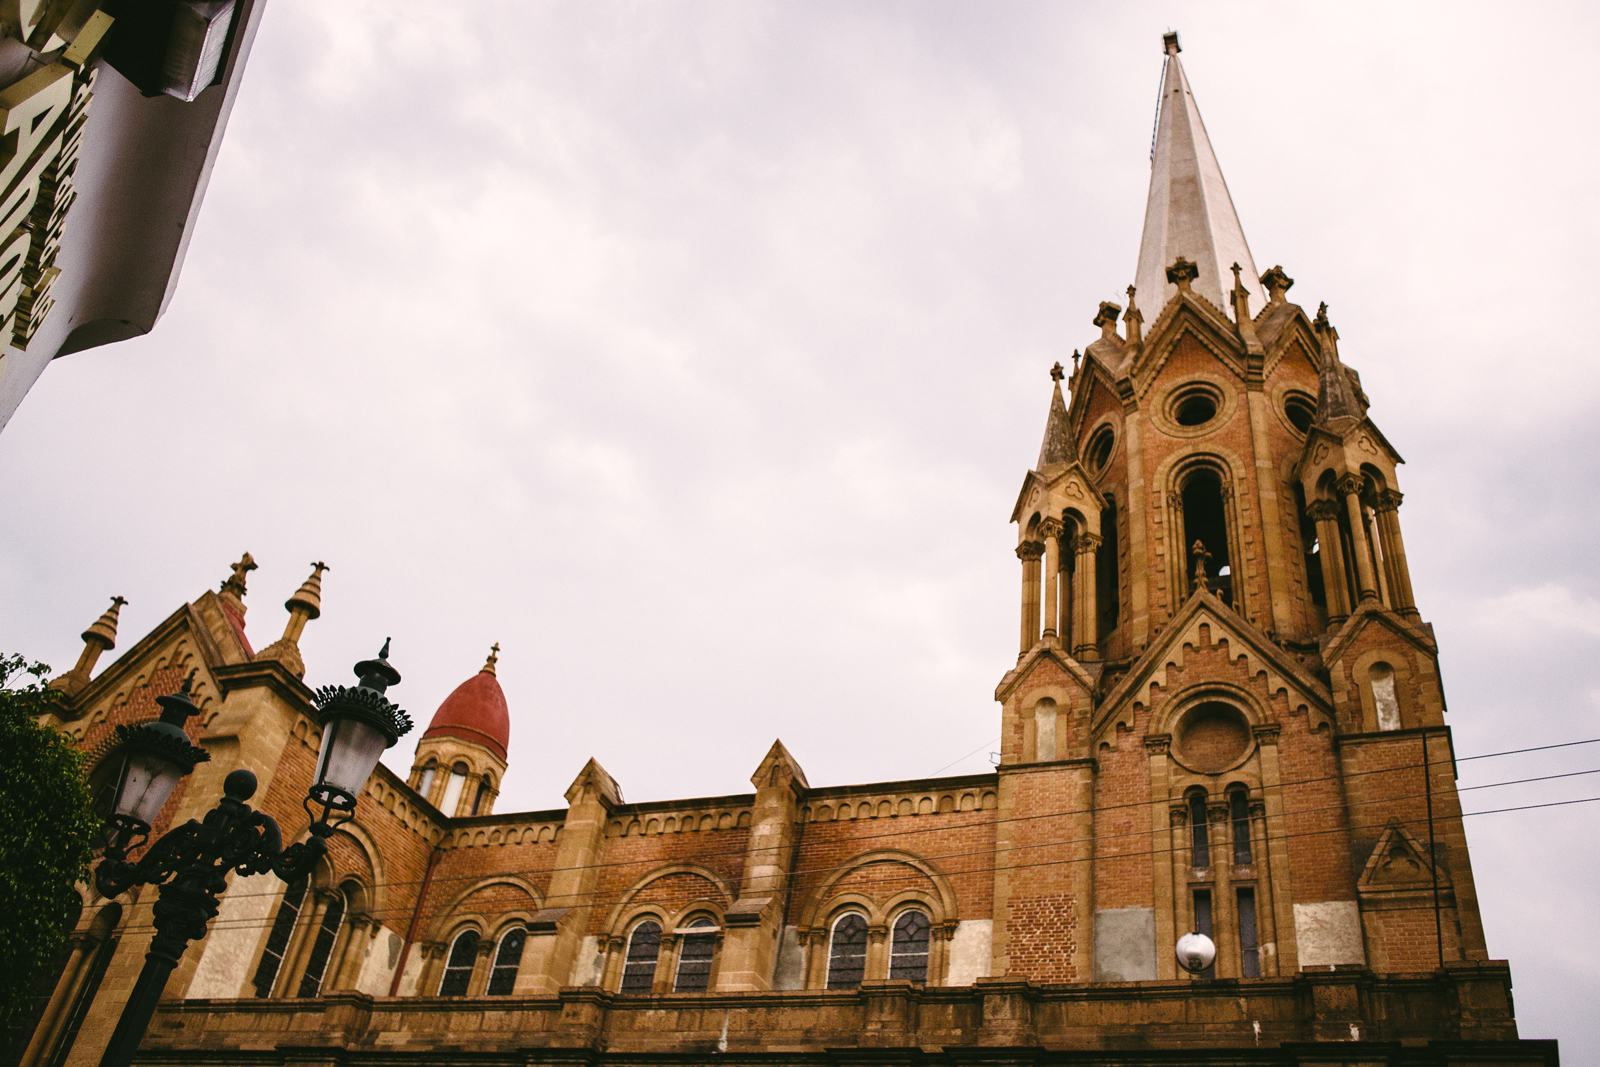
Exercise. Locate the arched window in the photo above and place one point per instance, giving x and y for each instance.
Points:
(507, 958)
(1205, 522)
(482, 797)
(1384, 698)
(639, 970)
(908, 951)
(694, 958)
(425, 779)
(847, 952)
(453, 789)
(1313, 551)
(278, 940)
(1199, 832)
(1239, 815)
(1107, 574)
(458, 967)
(322, 947)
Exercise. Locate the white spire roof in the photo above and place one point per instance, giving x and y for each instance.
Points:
(1189, 212)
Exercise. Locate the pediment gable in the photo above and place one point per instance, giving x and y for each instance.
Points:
(1361, 440)
(1294, 339)
(1400, 863)
(1369, 614)
(1049, 494)
(1038, 654)
(1190, 315)
(182, 629)
(1204, 609)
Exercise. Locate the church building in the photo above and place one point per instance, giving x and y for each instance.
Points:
(1225, 717)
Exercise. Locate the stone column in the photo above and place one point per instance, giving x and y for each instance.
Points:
(1051, 530)
(877, 952)
(1275, 851)
(1163, 840)
(305, 939)
(1087, 629)
(433, 954)
(68, 986)
(1350, 488)
(481, 966)
(1029, 552)
(1224, 923)
(1276, 572)
(1064, 630)
(1335, 590)
(349, 953)
(1394, 552)
(1266, 913)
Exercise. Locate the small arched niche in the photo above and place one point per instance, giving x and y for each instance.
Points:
(1212, 737)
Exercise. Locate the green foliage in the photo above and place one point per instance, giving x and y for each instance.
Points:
(47, 833)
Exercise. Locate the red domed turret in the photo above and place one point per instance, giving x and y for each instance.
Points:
(476, 711)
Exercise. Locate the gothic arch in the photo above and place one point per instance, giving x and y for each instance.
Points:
(1181, 476)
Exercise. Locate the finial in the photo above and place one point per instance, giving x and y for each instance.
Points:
(1182, 273)
(1321, 321)
(1201, 558)
(1237, 271)
(104, 630)
(494, 649)
(1076, 355)
(307, 600)
(1134, 319)
(383, 653)
(1106, 319)
(1056, 371)
(235, 583)
(1169, 43)
(1277, 284)
(303, 606)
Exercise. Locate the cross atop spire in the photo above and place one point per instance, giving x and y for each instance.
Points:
(1189, 213)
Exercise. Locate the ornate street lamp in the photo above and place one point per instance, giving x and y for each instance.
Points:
(190, 863)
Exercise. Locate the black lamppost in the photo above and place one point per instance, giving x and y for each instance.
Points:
(190, 863)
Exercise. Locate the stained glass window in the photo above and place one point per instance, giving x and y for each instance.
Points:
(458, 967)
(278, 940)
(694, 958)
(503, 977)
(847, 952)
(644, 945)
(908, 951)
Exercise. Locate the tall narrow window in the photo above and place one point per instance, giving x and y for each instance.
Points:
(1107, 573)
(908, 952)
(481, 798)
(278, 940)
(1202, 924)
(847, 952)
(1239, 815)
(1249, 941)
(694, 958)
(458, 967)
(507, 958)
(1199, 832)
(1205, 520)
(425, 779)
(452, 790)
(1383, 696)
(322, 947)
(639, 970)
(1313, 551)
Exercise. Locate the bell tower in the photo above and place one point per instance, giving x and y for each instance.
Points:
(1225, 702)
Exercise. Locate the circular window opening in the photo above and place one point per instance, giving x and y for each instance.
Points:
(1100, 447)
(1195, 407)
(1213, 736)
(1300, 409)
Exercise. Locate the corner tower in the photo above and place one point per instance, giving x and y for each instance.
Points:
(461, 759)
(1226, 713)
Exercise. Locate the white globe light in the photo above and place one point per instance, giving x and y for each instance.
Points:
(1196, 952)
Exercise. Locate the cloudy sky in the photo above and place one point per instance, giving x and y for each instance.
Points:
(695, 353)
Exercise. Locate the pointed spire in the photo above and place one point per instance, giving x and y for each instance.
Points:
(98, 638)
(303, 606)
(1336, 394)
(494, 658)
(1189, 212)
(1057, 447)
